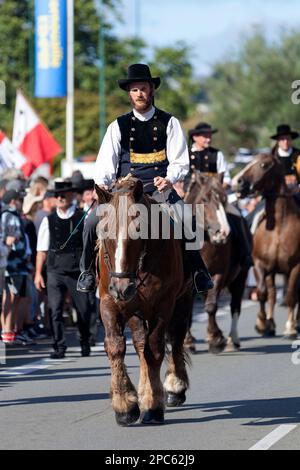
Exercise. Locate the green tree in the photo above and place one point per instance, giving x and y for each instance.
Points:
(250, 94)
(179, 88)
(16, 37)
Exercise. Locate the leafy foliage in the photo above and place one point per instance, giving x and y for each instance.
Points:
(250, 94)
(16, 43)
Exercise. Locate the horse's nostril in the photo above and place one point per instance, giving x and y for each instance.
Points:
(130, 291)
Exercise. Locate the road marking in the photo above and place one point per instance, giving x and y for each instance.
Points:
(275, 436)
(222, 312)
(30, 367)
(46, 363)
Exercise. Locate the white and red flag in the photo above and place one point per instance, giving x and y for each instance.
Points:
(10, 156)
(32, 137)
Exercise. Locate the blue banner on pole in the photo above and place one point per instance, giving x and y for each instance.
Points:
(50, 48)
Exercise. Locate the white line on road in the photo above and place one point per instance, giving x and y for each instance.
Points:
(222, 312)
(46, 363)
(275, 436)
(32, 367)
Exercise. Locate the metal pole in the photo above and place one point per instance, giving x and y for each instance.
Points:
(137, 17)
(31, 54)
(102, 98)
(70, 83)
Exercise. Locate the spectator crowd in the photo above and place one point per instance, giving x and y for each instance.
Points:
(24, 204)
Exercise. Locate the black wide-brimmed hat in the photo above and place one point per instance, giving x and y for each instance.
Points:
(201, 129)
(138, 73)
(63, 187)
(284, 129)
(88, 184)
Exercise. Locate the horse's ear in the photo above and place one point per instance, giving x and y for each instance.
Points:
(103, 195)
(138, 191)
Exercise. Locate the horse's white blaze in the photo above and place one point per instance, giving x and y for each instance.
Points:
(119, 251)
(222, 218)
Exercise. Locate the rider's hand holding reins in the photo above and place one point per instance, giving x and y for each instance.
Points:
(162, 184)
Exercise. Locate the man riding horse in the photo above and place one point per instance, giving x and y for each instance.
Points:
(288, 155)
(208, 160)
(211, 162)
(149, 144)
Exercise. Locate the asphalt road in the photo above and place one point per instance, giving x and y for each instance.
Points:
(236, 400)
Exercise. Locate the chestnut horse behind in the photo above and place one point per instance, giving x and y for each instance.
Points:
(276, 242)
(142, 284)
(218, 253)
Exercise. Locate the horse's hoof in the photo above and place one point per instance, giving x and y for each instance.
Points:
(260, 331)
(233, 347)
(175, 399)
(269, 334)
(191, 348)
(217, 347)
(189, 343)
(153, 416)
(290, 336)
(126, 419)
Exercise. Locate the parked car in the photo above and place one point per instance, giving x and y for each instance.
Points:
(243, 156)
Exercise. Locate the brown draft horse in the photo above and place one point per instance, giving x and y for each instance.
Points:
(143, 284)
(276, 243)
(218, 254)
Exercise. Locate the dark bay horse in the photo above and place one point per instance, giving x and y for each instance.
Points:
(219, 255)
(276, 243)
(142, 284)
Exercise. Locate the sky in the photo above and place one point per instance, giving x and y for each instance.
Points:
(213, 28)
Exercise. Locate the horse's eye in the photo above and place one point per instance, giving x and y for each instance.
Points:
(263, 165)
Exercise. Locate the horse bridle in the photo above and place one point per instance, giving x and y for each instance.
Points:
(133, 276)
(124, 275)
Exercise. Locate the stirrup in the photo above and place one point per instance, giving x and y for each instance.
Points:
(203, 284)
(86, 282)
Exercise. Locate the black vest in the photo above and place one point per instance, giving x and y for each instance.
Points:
(67, 259)
(204, 160)
(140, 139)
(289, 163)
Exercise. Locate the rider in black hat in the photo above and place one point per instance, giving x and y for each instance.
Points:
(288, 155)
(148, 143)
(211, 162)
(205, 158)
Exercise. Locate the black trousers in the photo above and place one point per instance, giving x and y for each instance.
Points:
(57, 286)
(87, 261)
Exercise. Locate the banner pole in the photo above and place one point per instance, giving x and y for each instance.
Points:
(70, 85)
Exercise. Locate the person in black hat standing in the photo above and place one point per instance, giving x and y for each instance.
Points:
(288, 155)
(62, 252)
(205, 158)
(148, 143)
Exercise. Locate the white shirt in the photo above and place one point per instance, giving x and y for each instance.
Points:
(283, 153)
(107, 162)
(222, 165)
(43, 241)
